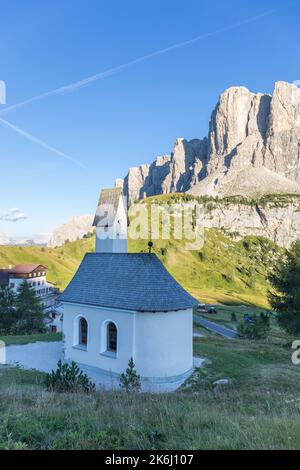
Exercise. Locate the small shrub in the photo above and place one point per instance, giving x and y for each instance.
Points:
(130, 380)
(233, 317)
(163, 251)
(69, 378)
(227, 277)
(157, 438)
(257, 328)
(246, 245)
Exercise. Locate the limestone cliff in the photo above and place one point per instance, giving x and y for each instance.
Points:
(253, 147)
(276, 219)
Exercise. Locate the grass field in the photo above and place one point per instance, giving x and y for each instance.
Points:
(26, 339)
(259, 410)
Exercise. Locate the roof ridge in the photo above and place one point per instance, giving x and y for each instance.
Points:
(123, 254)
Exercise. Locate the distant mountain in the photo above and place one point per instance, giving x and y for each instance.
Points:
(253, 148)
(75, 228)
(36, 240)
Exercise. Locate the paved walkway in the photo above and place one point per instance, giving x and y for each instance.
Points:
(215, 327)
(43, 356)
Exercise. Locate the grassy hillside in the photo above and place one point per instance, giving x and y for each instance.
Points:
(259, 410)
(62, 262)
(224, 271)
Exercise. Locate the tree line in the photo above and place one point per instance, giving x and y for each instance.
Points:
(21, 312)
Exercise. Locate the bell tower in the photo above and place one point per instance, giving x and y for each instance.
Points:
(111, 222)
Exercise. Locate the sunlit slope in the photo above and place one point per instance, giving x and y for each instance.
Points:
(224, 270)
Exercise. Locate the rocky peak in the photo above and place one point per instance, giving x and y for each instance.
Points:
(238, 114)
(248, 131)
(76, 227)
(285, 108)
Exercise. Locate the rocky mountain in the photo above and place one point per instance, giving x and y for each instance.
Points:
(75, 228)
(253, 148)
(277, 219)
(34, 240)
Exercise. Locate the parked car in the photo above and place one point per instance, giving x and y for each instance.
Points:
(212, 310)
(201, 307)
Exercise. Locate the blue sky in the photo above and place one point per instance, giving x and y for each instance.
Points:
(131, 116)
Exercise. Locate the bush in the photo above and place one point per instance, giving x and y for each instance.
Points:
(130, 381)
(257, 328)
(69, 378)
(233, 317)
(163, 251)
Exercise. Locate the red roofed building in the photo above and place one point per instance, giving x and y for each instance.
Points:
(35, 275)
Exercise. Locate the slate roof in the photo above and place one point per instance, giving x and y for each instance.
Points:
(106, 215)
(128, 281)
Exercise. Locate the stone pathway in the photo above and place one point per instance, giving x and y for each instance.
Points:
(41, 356)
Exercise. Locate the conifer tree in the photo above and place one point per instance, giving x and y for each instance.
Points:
(130, 380)
(7, 309)
(29, 311)
(285, 296)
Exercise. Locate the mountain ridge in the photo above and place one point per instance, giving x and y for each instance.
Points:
(248, 132)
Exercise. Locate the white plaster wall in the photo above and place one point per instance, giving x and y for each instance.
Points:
(47, 300)
(160, 343)
(18, 281)
(164, 343)
(95, 318)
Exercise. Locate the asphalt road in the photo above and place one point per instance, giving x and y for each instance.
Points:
(216, 328)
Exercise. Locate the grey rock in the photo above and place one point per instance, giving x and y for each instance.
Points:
(74, 228)
(253, 147)
(278, 222)
(220, 384)
(177, 172)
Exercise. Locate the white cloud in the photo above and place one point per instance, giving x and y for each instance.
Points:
(13, 215)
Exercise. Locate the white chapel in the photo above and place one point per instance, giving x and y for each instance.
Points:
(121, 305)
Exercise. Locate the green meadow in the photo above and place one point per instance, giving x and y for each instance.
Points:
(259, 409)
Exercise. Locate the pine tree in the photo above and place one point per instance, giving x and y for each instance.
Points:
(7, 309)
(130, 381)
(285, 297)
(29, 311)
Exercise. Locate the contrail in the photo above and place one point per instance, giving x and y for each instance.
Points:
(39, 142)
(113, 71)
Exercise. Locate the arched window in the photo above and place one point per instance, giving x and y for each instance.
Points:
(83, 332)
(112, 337)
